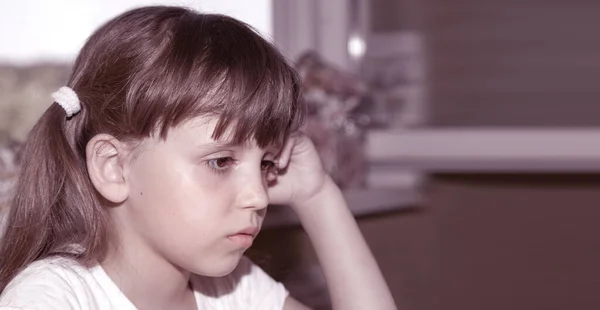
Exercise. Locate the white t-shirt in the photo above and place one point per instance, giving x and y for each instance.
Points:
(61, 284)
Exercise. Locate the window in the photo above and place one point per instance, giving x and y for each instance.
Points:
(40, 30)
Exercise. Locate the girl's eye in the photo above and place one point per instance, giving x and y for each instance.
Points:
(220, 164)
(267, 165)
(269, 168)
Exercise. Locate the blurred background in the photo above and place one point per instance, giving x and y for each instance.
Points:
(465, 135)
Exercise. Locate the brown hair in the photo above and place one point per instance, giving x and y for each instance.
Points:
(142, 73)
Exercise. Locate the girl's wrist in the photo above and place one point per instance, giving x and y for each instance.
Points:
(326, 195)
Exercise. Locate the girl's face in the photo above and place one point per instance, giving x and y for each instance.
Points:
(195, 202)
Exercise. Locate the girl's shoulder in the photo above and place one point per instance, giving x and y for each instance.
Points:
(49, 283)
(55, 283)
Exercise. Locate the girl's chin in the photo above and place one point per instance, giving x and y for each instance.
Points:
(222, 267)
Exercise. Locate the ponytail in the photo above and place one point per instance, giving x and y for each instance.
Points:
(54, 206)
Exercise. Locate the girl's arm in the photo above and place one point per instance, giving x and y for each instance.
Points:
(353, 277)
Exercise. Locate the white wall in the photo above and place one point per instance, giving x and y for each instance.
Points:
(317, 25)
(54, 30)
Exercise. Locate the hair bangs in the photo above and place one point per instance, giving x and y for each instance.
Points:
(230, 73)
(260, 103)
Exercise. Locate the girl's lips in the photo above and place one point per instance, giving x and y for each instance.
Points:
(245, 237)
(243, 240)
(252, 231)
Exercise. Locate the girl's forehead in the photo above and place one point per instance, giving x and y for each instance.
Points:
(199, 129)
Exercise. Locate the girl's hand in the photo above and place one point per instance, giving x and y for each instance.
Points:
(300, 174)
(353, 277)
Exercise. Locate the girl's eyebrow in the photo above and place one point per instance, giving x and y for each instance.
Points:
(273, 148)
(278, 145)
(217, 145)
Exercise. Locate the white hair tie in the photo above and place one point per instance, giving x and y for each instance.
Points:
(67, 99)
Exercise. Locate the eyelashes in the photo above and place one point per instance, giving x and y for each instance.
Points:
(222, 165)
(267, 165)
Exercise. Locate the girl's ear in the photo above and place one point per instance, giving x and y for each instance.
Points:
(106, 162)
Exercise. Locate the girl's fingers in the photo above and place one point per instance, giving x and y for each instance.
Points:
(286, 153)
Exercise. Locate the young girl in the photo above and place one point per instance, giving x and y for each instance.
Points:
(149, 176)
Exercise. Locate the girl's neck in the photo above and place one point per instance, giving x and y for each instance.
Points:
(147, 280)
